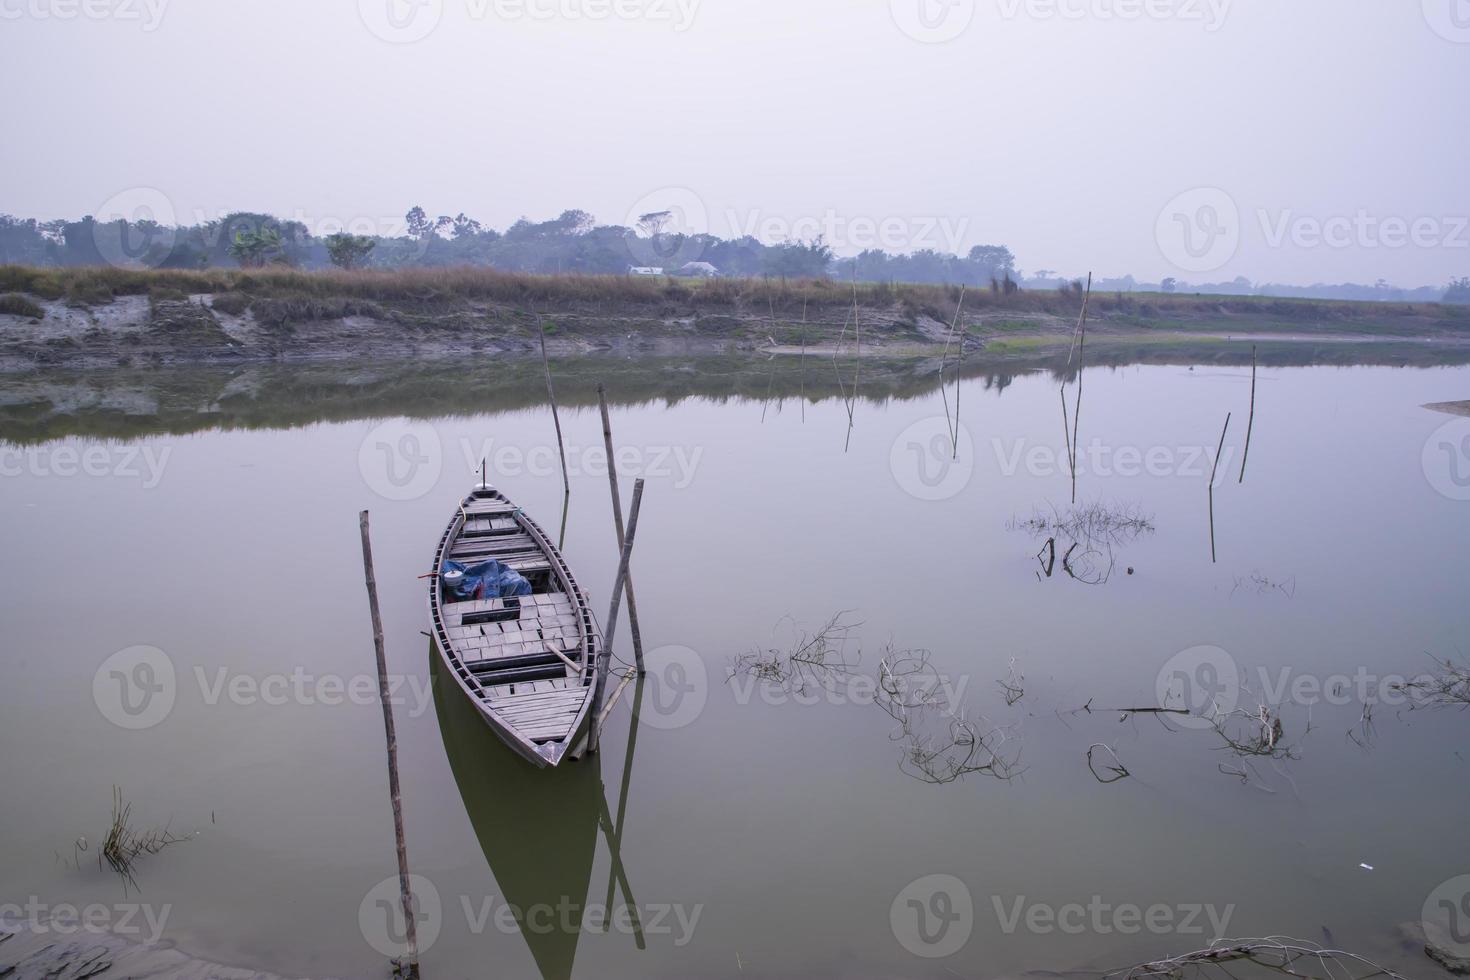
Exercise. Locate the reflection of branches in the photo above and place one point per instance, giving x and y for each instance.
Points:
(940, 745)
(1263, 585)
(1013, 685)
(816, 657)
(965, 749)
(1256, 733)
(1093, 531)
(1363, 733)
(1279, 954)
(1449, 688)
(1092, 523)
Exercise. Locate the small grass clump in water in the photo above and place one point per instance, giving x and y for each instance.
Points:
(124, 844)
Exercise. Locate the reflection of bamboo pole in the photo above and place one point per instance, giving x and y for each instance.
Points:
(1250, 425)
(954, 429)
(555, 415)
(1218, 450)
(594, 738)
(803, 360)
(612, 476)
(405, 890)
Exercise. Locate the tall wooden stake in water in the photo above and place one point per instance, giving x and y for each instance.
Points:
(612, 477)
(555, 415)
(594, 738)
(411, 933)
(1251, 424)
(1218, 450)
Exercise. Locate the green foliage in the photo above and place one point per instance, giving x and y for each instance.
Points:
(253, 249)
(350, 251)
(1459, 291)
(18, 305)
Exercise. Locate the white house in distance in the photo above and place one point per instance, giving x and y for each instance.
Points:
(698, 270)
(645, 270)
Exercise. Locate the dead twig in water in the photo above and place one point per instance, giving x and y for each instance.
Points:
(1013, 685)
(1117, 771)
(1278, 954)
(812, 658)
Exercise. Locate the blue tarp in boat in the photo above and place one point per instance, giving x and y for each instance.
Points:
(487, 580)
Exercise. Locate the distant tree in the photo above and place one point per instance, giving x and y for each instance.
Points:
(253, 249)
(464, 226)
(653, 223)
(992, 259)
(349, 251)
(419, 225)
(1169, 285)
(799, 260)
(1459, 291)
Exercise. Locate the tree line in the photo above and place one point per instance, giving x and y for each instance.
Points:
(573, 242)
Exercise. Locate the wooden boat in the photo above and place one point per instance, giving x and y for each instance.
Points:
(527, 663)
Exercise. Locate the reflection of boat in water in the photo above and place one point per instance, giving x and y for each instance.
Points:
(538, 828)
(514, 628)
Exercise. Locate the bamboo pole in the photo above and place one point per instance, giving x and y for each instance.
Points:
(405, 889)
(1251, 424)
(566, 480)
(612, 478)
(594, 737)
(1213, 469)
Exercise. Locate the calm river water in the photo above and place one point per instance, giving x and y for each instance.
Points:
(186, 620)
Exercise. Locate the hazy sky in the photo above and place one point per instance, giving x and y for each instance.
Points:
(1312, 140)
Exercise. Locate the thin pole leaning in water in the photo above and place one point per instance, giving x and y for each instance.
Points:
(1213, 469)
(1251, 424)
(561, 448)
(411, 934)
(612, 477)
(594, 738)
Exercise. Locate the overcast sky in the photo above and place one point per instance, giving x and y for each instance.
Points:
(1284, 140)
